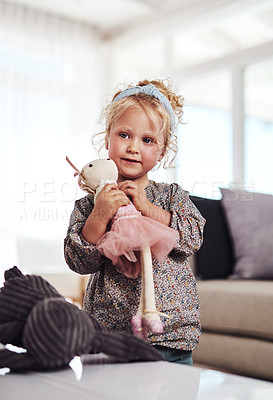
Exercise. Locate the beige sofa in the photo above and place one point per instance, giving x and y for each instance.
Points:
(237, 321)
(236, 314)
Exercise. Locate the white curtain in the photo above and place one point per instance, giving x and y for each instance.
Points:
(51, 76)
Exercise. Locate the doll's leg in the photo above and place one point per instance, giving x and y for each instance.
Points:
(137, 321)
(151, 319)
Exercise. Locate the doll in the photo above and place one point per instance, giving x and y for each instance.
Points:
(130, 243)
(52, 331)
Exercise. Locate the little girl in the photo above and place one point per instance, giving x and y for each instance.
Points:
(140, 132)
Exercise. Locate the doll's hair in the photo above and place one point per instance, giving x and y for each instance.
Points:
(153, 108)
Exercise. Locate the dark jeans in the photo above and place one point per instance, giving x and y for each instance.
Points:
(175, 355)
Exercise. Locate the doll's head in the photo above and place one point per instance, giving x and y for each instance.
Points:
(96, 174)
(159, 103)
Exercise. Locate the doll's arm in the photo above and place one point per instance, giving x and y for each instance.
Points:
(187, 220)
(157, 213)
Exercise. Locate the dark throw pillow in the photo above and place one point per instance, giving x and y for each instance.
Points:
(215, 258)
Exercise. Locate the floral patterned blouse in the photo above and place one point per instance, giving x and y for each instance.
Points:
(113, 299)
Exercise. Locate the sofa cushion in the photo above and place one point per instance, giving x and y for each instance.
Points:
(250, 219)
(241, 307)
(237, 354)
(215, 258)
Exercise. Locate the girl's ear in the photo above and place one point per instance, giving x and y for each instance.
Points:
(161, 156)
(106, 143)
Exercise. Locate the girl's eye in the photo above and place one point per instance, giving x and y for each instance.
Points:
(123, 135)
(148, 140)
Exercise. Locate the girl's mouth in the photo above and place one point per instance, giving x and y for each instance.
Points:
(130, 161)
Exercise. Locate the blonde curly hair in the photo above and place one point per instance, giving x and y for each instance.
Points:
(153, 109)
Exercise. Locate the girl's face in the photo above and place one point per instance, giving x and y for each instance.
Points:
(133, 144)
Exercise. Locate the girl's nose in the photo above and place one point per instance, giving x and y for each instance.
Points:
(133, 148)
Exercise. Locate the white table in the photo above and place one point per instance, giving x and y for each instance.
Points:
(132, 381)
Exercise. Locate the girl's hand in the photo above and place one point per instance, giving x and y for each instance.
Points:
(109, 201)
(137, 194)
(142, 203)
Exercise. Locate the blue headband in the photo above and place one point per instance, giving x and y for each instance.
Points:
(151, 90)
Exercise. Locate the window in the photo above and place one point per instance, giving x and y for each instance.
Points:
(49, 93)
(259, 126)
(204, 161)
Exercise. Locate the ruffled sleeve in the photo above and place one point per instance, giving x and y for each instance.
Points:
(81, 256)
(187, 220)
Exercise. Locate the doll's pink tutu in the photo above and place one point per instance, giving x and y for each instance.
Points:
(130, 232)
